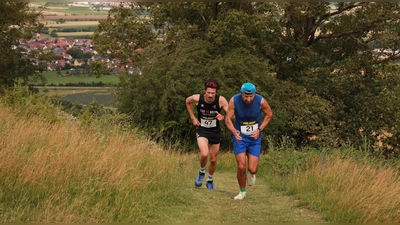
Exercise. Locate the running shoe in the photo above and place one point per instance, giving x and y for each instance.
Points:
(240, 196)
(199, 180)
(210, 185)
(251, 179)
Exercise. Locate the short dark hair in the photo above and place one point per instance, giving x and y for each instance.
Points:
(211, 83)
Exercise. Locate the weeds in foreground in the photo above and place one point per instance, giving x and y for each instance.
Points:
(58, 172)
(343, 189)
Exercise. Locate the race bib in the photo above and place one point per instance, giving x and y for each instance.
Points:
(208, 123)
(247, 128)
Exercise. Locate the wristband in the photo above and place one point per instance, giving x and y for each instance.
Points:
(259, 129)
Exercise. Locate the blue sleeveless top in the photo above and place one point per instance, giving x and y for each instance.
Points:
(247, 117)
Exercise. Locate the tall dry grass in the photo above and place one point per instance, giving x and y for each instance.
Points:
(59, 172)
(345, 190)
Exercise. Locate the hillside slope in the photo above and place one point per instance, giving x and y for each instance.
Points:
(261, 204)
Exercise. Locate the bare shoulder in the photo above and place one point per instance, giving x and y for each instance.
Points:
(231, 103)
(193, 98)
(231, 100)
(263, 101)
(223, 103)
(264, 105)
(222, 99)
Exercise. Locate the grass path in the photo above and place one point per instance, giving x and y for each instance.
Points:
(260, 205)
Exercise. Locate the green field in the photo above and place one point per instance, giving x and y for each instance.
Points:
(54, 79)
(104, 98)
(80, 95)
(75, 34)
(77, 10)
(70, 9)
(75, 16)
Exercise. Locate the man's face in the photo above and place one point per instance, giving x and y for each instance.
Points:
(248, 98)
(210, 94)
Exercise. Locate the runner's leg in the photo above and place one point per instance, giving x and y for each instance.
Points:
(252, 163)
(203, 146)
(202, 142)
(214, 149)
(241, 169)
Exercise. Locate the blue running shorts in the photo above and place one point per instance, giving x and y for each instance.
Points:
(253, 147)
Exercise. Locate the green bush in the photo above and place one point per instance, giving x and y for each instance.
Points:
(24, 101)
(154, 95)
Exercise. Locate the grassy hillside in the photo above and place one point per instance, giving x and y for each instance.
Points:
(62, 172)
(58, 168)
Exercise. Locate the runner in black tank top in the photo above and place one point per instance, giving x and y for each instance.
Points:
(209, 124)
(208, 130)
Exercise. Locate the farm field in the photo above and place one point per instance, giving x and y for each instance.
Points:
(52, 23)
(71, 15)
(75, 34)
(80, 95)
(84, 96)
(75, 17)
(55, 79)
(80, 9)
(78, 16)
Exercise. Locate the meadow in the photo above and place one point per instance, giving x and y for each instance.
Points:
(55, 79)
(71, 24)
(86, 34)
(79, 95)
(59, 168)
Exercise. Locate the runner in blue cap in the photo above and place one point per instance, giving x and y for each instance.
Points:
(245, 110)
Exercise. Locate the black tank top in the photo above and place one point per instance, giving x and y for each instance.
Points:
(206, 113)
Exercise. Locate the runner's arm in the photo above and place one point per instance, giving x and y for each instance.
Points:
(223, 103)
(230, 115)
(189, 102)
(266, 109)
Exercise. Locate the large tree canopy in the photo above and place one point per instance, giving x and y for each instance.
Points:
(17, 21)
(329, 70)
(122, 34)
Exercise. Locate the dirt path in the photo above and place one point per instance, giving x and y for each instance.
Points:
(260, 205)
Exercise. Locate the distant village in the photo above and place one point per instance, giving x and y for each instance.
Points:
(61, 48)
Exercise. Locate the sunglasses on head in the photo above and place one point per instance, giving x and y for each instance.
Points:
(211, 84)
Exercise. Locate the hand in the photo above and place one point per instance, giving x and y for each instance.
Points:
(255, 134)
(219, 116)
(196, 122)
(237, 136)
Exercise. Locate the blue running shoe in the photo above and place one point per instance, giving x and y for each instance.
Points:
(210, 185)
(199, 180)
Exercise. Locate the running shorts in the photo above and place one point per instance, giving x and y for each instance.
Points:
(213, 136)
(251, 146)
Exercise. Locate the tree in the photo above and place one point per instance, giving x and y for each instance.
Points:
(75, 53)
(330, 80)
(17, 21)
(53, 33)
(87, 55)
(121, 34)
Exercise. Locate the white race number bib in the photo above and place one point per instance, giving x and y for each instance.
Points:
(247, 128)
(208, 123)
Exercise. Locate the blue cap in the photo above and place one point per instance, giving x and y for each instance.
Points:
(248, 87)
